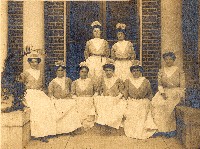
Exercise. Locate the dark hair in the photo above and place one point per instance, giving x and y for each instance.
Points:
(83, 67)
(137, 67)
(38, 59)
(56, 67)
(111, 66)
(121, 30)
(170, 54)
(97, 26)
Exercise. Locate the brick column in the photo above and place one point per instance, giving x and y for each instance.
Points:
(33, 28)
(4, 31)
(171, 29)
(151, 40)
(54, 36)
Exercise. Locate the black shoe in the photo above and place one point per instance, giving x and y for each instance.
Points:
(44, 139)
(73, 134)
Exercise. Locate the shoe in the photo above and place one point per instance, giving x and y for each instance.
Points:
(157, 134)
(44, 139)
(170, 134)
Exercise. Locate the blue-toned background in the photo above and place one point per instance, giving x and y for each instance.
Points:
(190, 46)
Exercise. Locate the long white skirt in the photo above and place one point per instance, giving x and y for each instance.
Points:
(110, 110)
(86, 111)
(163, 110)
(68, 118)
(139, 123)
(43, 114)
(95, 64)
(123, 69)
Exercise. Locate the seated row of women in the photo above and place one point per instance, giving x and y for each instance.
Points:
(78, 105)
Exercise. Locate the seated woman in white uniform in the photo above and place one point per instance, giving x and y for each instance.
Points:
(138, 117)
(110, 106)
(43, 117)
(96, 52)
(83, 90)
(171, 91)
(59, 91)
(123, 53)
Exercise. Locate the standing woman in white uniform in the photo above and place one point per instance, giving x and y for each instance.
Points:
(171, 91)
(96, 52)
(123, 53)
(59, 91)
(43, 118)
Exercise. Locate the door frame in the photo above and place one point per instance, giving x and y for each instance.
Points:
(103, 14)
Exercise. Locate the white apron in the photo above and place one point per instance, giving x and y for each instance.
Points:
(43, 114)
(86, 109)
(110, 110)
(67, 117)
(123, 69)
(95, 64)
(139, 123)
(163, 110)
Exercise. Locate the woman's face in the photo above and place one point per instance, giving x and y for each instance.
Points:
(109, 72)
(83, 73)
(60, 72)
(136, 73)
(34, 63)
(120, 36)
(96, 33)
(169, 61)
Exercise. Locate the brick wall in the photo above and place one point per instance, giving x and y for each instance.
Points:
(54, 36)
(15, 34)
(151, 47)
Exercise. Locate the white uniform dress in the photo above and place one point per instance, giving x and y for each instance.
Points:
(123, 53)
(171, 80)
(67, 115)
(109, 107)
(83, 90)
(43, 114)
(139, 122)
(96, 52)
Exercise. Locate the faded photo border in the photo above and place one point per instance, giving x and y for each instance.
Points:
(157, 26)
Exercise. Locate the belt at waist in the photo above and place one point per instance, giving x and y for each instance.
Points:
(85, 95)
(130, 98)
(122, 59)
(98, 55)
(66, 98)
(171, 87)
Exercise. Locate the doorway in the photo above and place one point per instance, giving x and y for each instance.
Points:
(80, 15)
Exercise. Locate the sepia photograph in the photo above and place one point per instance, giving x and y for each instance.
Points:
(100, 74)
